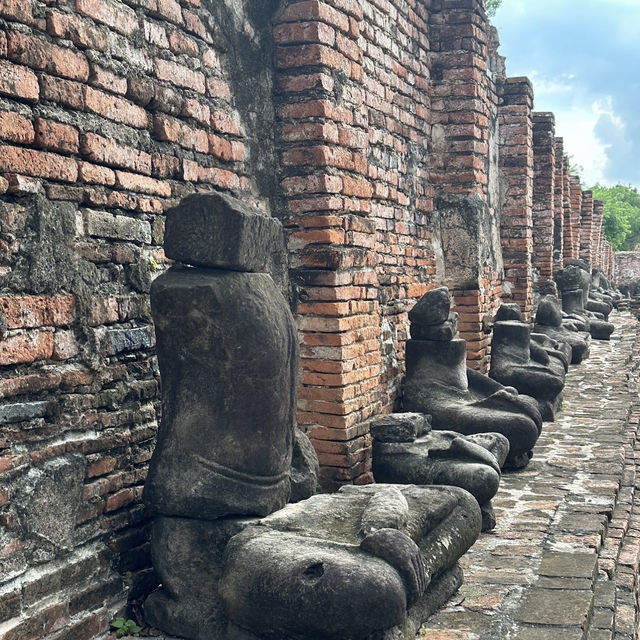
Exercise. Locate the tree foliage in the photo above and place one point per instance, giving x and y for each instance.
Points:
(621, 221)
(492, 7)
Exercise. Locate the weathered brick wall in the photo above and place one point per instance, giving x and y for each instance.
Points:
(517, 164)
(371, 128)
(627, 267)
(543, 196)
(558, 205)
(109, 111)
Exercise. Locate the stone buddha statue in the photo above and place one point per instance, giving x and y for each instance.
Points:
(235, 562)
(574, 282)
(514, 362)
(549, 322)
(439, 383)
(407, 451)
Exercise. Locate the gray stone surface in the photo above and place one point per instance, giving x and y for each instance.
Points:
(400, 427)
(459, 399)
(227, 350)
(441, 458)
(19, 411)
(515, 363)
(47, 498)
(216, 230)
(543, 607)
(432, 308)
(304, 468)
(359, 554)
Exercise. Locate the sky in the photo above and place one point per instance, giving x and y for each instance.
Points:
(583, 58)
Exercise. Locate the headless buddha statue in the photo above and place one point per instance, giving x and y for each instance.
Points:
(233, 561)
(407, 451)
(439, 383)
(529, 369)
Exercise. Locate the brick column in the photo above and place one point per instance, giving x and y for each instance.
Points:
(598, 211)
(544, 158)
(586, 227)
(516, 162)
(464, 166)
(575, 204)
(558, 206)
(327, 192)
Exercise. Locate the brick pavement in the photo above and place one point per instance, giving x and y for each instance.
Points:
(562, 562)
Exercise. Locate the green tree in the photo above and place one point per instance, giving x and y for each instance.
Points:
(492, 7)
(621, 220)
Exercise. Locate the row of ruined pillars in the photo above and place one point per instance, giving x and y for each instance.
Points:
(547, 218)
(408, 160)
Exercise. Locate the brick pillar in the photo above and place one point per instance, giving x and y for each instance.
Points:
(558, 207)
(464, 166)
(516, 162)
(327, 196)
(598, 211)
(586, 227)
(544, 157)
(566, 213)
(575, 204)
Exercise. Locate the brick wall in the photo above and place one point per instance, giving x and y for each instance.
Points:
(517, 164)
(109, 111)
(627, 267)
(543, 196)
(371, 128)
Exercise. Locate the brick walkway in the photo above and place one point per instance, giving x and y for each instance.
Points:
(562, 563)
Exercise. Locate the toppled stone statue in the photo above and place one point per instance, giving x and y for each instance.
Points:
(549, 323)
(233, 561)
(407, 451)
(439, 383)
(574, 282)
(517, 363)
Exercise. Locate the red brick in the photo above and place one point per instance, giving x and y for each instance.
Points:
(225, 150)
(309, 54)
(38, 163)
(104, 79)
(63, 92)
(65, 345)
(18, 82)
(56, 136)
(106, 151)
(180, 75)
(196, 110)
(168, 9)
(114, 14)
(142, 184)
(39, 54)
(37, 311)
(80, 31)
(193, 24)
(218, 89)
(315, 10)
(193, 172)
(119, 500)
(115, 108)
(32, 383)
(94, 174)
(16, 128)
(26, 347)
(301, 32)
(179, 43)
(18, 10)
(224, 122)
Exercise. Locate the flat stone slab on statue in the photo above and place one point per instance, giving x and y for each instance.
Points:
(217, 230)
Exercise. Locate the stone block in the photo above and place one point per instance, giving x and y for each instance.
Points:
(217, 230)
